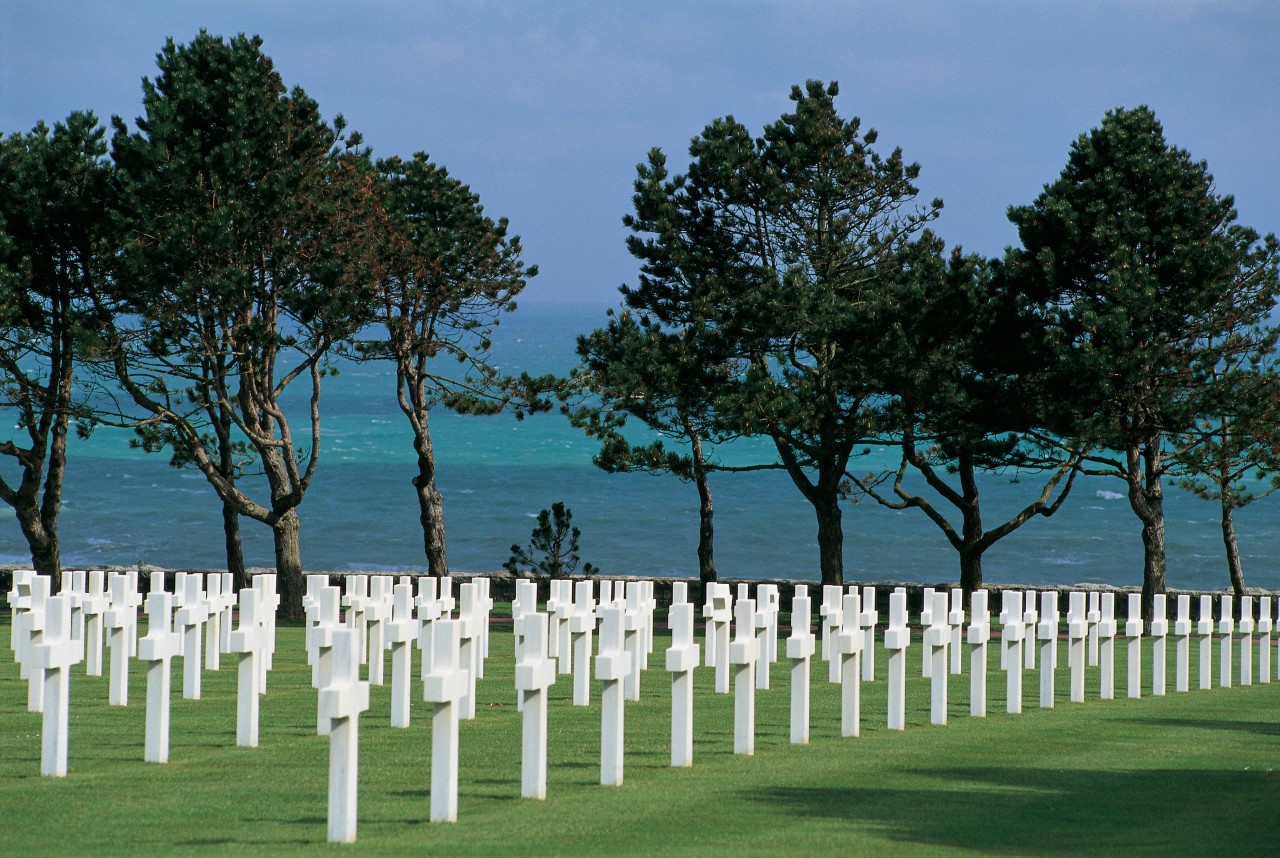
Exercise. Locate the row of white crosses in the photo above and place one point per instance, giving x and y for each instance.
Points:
(52, 633)
(1091, 621)
(452, 659)
(387, 615)
(1026, 627)
(175, 625)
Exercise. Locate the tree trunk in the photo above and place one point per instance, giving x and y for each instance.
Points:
(289, 582)
(970, 571)
(1233, 550)
(45, 555)
(1146, 498)
(1153, 563)
(430, 504)
(235, 551)
(39, 521)
(830, 536)
(230, 515)
(706, 527)
(971, 527)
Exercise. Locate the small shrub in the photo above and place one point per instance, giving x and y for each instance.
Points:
(553, 548)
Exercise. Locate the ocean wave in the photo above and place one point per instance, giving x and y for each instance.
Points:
(1108, 495)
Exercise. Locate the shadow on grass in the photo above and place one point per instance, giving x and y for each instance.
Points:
(1048, 812)
(1258, 728)
(310, 821)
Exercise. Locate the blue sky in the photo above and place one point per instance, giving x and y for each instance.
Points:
(545, 108)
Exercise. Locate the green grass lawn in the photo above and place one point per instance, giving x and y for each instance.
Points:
(1186, 774)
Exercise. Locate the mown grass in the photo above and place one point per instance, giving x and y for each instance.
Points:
(1190, 774)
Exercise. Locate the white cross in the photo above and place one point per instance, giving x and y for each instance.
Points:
(226, 603)
(94, 605)
(978, 635)
(1092, 617)
(355, 598)
(937, 637)
(250, 642)
(743, 652)
(1182, 633)
(926, 620)
(1265, 625)
(340, 704)
(1047, 632)
(681, 658)
(1205, 629)
(612, 666)
(764, 622)
(648, 605)
(535, 672)
(897, 637)
(633, 639)
(213, 628)
(1133, 632)
(1246, 640)
(1077, 631)
(469, 620)
(328, 622)
(870, 617)
(37, 603)
(1012, 629)
(955, 620)
(120, 617)
(718, 619)
(1106, 630)
(310, 607)
(1159, 628)
(800, 649)
(444, 684)
(1030, 618)
(830, 613)
(268, 602)
(19, 601)
(484, 606)
(52, 656)
(847, 643)
(377, 613)
(582, 625)
(190, 620)
(560, 643)
(429, 606)
(75, 586)
(767, 602)
(402, 631)
(525, 602)
(157, 649)
(1226, 628)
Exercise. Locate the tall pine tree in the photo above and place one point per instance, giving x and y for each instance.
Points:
(1134, 262)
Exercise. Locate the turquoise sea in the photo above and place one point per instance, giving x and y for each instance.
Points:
(123, 506)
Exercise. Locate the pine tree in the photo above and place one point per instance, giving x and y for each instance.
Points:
(445, 274)
(55, 239)
(784, 248)
(1137, 268)
(240, 270)
(553, 547)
